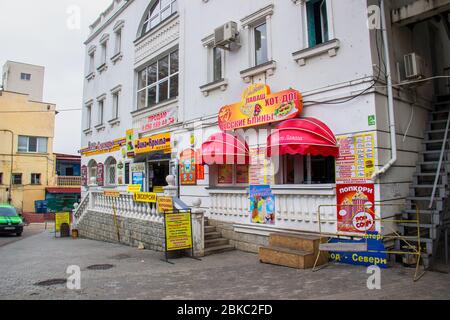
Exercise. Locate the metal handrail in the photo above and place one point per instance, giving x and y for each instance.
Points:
(441, 157)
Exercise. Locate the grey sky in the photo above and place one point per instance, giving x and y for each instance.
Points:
(36, 32)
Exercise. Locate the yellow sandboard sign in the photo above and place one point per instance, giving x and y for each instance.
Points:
(148, 197)
(178, 231)
(165, 204)
(60, 218)
(133, 188)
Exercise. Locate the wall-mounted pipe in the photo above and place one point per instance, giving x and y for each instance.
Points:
(390, 97)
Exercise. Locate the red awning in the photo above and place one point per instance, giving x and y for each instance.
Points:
(63, 190)
(303, 136)
(225, 148)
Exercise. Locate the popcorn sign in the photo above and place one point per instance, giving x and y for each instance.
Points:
(355, 207)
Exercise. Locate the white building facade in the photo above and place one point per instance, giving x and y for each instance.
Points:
(159, 84)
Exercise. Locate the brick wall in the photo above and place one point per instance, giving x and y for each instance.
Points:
(101, 227)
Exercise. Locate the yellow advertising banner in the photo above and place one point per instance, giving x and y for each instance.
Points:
(61, 218)
(159, 142)
(133, 188)
(111, 194)
(147, 197)
(178, 231)
(104, 147)
(165, 204)
(158, 189)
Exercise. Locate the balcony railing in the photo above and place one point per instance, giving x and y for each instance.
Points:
(65, 181)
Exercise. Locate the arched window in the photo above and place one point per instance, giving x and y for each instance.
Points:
(92, 172)
(160, 11)
(111, 167)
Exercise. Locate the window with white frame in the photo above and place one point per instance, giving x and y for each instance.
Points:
(111, 169)
(118, 41)
(35, 178)
(159, 12)
(104, 53)
(115, 104)
(32, 144)
(101, 109)
(299, 169)
(88, 116)
(17, 179)
(260, 44)
(317, 20)
(92, 172)
(25, 76)
(158, 82)
(217, 63)
(91, 62)
(230, 174)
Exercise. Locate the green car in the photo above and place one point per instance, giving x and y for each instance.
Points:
(10, 221)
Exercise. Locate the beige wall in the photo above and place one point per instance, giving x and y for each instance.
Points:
(13, 82)
(40, 122)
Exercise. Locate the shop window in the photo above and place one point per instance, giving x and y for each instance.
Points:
(260, 34)
(232, 174)
(17, 178)
(158, 82)
(92, 172)
(111, 169)
(32, 144)
(35, 178)
(317, 22)
(298, 169)
(159, 12)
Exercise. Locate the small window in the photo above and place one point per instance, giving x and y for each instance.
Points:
(17, 178)
(91, 62)
(25, 76)
(115, 99)
(118, 43)
(261, 55)
(104, 51)
(88, 116)
(32, 144)
(101, 104)
(35, 178)
(317, 22)
(217, 64)
(232, 174)
(1, 177)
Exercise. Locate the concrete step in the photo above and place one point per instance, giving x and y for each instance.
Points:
(414, 225)
(210, 229)
(295, 242)
(213, 235)
(422, 212)
(216, 242)
(292, 258)
(218, 249)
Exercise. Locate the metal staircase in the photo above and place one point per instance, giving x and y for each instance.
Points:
(429, 192)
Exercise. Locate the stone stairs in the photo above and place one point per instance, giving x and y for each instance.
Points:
(214, 242)
(432, 219)
(294, 251)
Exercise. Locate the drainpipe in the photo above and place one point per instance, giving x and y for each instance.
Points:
(390, 98)
(12, 164)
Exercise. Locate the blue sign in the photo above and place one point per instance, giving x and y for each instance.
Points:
(375, 256)
(138, 178)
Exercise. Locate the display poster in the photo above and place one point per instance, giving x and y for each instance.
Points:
(147, 197)
(259, 106)
(178, 231)
(356, 160)
(138, 178)
(261, 169)
(200, 168)
(61, 218)
(187, 168)
(225, 174)
(165, 204)
(84, 176)
(375, 255)
(100, 174)
(130, 137)
(120, 173)
(355, 208)
(262, 205)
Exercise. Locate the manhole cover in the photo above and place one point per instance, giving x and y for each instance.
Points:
(101, 267)
(51, 282)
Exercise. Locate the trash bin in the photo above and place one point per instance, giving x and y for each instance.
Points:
(65, 230)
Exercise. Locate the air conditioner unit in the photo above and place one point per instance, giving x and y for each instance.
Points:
(226, 34)
(414, 66)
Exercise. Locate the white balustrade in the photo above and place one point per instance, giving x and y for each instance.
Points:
(296, 207)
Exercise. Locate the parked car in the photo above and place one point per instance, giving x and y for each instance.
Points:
(10, 220)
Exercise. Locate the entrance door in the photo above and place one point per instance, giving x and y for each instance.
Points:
(157, 174)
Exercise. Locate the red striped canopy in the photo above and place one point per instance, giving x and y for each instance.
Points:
(302, 136)
(225, 148)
